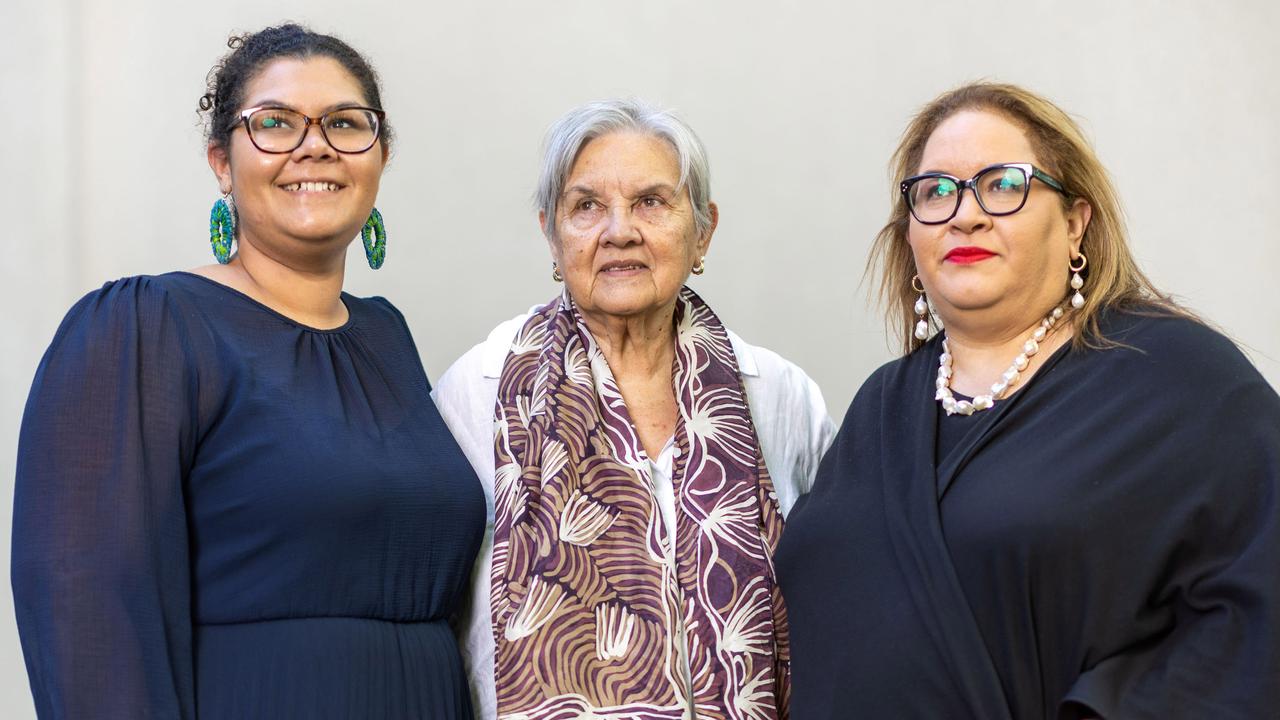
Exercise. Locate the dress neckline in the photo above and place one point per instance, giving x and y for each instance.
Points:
(343, 297)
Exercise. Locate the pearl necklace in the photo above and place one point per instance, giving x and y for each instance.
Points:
(999, 387)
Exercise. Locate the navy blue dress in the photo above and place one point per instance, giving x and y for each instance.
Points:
(221, 513)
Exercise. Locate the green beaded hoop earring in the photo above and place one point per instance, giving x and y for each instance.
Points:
(374, 234)
(222, 228)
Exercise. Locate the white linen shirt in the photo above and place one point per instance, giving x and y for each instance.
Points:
(786, 406)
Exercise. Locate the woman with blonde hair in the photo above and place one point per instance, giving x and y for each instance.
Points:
(1065, 502)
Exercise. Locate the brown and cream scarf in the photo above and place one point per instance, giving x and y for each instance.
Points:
(595, 610)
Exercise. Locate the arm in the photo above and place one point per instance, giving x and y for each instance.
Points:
(100, 565)
(466, 400)
(791, 421)
(822, 431)
(1218, 564)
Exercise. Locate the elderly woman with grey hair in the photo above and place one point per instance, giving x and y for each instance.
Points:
(638, 457)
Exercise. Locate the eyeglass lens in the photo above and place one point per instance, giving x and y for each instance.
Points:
(1000, 191)
(350, 130)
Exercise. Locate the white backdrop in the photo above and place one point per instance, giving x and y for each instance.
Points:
(799, 104)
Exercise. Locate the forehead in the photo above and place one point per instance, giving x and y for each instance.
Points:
(627, 159)
(304, 83)
(970, 140)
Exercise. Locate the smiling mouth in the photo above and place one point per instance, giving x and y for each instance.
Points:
(311, 187)
(621, 267)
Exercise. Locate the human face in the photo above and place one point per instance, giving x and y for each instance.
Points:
(982, 270)
(280, 214)
(625, 239)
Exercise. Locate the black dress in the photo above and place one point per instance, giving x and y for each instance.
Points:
(221, 513)
(1105, 543)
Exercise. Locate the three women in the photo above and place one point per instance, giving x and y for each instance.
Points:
(1063, 505)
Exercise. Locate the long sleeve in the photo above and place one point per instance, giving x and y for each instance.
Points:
(821, 432)
(791, 420)
(100, 565)
(1218, 554)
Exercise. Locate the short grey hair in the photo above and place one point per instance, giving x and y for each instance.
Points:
(571, 133)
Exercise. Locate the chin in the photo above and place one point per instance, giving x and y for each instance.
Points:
(970, 301)
(623, 306)
(622, 309)
(316, 230)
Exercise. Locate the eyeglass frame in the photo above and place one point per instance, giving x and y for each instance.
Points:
(308, 121)
(1031, 171)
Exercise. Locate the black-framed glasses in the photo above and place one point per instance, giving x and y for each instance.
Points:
(281, 130)
(934, 198)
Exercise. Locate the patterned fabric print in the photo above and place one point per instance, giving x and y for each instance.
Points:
(591, 616)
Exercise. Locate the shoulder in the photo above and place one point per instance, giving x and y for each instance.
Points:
(134, 322)
(379, 315)
(1157, 331)
(1182, 377)
(486, 358)
(790, 416)
(131, 293)
(771, 373)
(470, 384)
(377, 305)
(468, 390)
(895, 375)
(134, 305)
(879, 378)
(382, 321)
(1171, 349)
(784, 400)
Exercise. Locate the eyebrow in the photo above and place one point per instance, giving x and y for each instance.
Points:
(270, 103)
(580, 189)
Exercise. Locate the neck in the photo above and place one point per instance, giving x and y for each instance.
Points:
(981, 352)
(640, 345)
(309, 292)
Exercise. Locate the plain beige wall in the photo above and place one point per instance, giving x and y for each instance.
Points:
(798, 103)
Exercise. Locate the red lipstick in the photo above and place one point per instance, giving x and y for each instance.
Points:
(968, 254)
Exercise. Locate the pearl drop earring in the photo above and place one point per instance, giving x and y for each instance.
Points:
(922, 309)
(1077, 282)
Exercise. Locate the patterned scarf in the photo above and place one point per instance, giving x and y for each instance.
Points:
(592, 617)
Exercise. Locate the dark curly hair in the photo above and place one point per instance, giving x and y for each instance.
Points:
(251, 52)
